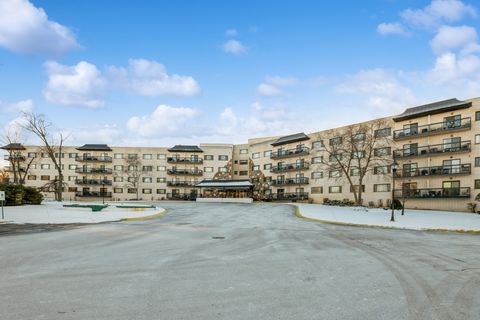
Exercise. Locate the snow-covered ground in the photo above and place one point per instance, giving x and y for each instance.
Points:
(54, 212)
(413, 219)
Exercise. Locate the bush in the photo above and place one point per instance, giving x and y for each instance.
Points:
(340, 203)
(16, 195)
(32, 196)
(397, 205)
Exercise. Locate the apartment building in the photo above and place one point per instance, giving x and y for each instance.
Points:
(434, 150)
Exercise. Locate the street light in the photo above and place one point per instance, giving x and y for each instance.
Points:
(394, 172)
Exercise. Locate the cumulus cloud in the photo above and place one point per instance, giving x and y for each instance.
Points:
(234, 47)
(25, 28)
(391, 28)
(77, 85)
(268, 90)
(271, 86)
(450, 38)
(231, 32)
(17, 107)
(163, 121)
(107, 133)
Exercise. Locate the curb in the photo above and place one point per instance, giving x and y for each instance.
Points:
(162, 213)
(348, 224)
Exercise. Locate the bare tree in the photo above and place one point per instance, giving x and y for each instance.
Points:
(355, 151)
(19, 164)
(133, 172)
(3, 176)
(52, 146)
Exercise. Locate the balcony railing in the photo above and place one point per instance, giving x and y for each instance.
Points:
(14, 157)
(433, 193)
(434, 128)
(296, 152)
(289, 196)
(94, 158)
(93, 194)
(185, 172)
(94, 170)
(98, 182)
(290, 167)
(457, 169)
(10, 169)
(290, 181)
(184, 160)
(182, 196)
(435, 149)
(181, 183)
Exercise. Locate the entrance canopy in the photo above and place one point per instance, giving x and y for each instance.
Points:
(225, 184)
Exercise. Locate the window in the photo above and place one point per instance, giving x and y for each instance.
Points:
(161, 180)
(72, 189)
(161, 191)
(243, 151)
(132, 190)
(385, 132)
(147, 156)
(267, 153)
(316, 189)
(358, 155)
(132, 156)
(317, 159)
(477, 116)
(243, 173)
(147, 168)
(256, 168)
(117, 190)
(222, 169)
(44, 178)
(118, 168)
(381, 170)
(358, 137)
(255, 155)
(267, 166)
(317, 144)
(62, 155)
(118, 179)
(223, 157)
(477, 184)
(45, 166)
(385, 187)
(161, 156)
(336, 141)
(147, 179)
(132, 179)
(72, 166)
(335, 157)
(356, 188)
(477, 161)
(354, 172)
(242, 162)
(335, 174)
(72, 178)
(380, 152)
(208, 169)
(118, 155)
(335, 189)
(161, 168)
(208, 157)
(477, 138)
(44, 155)
(147, 191)
(317, 175)
(32, 154)
(31, 177)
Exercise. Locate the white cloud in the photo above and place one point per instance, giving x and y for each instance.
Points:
(78, 85)
(268, 90)
(391, 28)
(271, 86)
(438, 12)
(281, 81)
(163, 121)
(26, 29)
(108, 133)
(17, 107)
(234, 47)
(450, 38)
(231, 32)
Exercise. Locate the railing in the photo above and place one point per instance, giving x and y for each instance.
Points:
(290, 167)
(435, 149)
(94, 182)
(456, 169)
(93, 194)
(182, 196)
(9, 168)
(14, 157)
(186, 172)
(184, 160)
(289, 196)
(434, 128)
(94, 170)
(94, 158)
(432, 193)
(181, 183)
(296, 152)
(290, 181)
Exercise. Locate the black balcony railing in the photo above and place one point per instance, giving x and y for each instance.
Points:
(182, 196)
(181, 183)
(296, 152)
(434, 128)
(457, 169)
(10, 169)
(185, 172)
(435, 149)
(94, 158)
(93, 194)
(289, 196)
(184, 160)
(290, 181)
(432, 193)
(98, 182)
(290, 167)
(17, 157)
(94, 170)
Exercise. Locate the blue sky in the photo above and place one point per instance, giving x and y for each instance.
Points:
(156, 73)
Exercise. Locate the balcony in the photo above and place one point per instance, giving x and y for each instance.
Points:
(93, 158)
(181, 183)
(434, 128)
(433, 193)
(290, 167)
(93, 182)
(289, 196)
(182, 196)
(93, 194)
(185, 172)
(180, 160)
(297, 152)
(10, 169)
(459, 169)
(17, 157)
(290, 181)
(435, 149)
(93, 170)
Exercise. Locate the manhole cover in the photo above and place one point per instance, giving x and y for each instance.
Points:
(218, 237)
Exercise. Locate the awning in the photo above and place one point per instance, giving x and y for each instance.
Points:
(225, 184)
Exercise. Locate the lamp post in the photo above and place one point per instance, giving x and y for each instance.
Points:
(394, 172)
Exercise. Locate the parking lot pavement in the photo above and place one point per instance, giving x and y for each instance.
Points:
(238, 261)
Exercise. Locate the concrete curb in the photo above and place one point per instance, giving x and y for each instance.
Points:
(160, 214)
(348, 224)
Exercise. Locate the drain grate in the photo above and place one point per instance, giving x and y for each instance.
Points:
(218, 238)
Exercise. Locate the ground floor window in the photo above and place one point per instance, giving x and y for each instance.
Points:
(335, 189)
(381, 187)
(316, 190)
(477, 184)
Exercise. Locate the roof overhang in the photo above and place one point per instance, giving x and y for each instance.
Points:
(94, 147)
(297, 137)
(185, 148)
(13, 146)
(432, 108)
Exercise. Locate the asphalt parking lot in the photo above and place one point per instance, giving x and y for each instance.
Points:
(237, 261)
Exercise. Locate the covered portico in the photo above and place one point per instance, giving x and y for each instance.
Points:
(225, 191)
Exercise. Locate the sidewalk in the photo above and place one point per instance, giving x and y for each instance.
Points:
(55, 213)
(413, 219)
